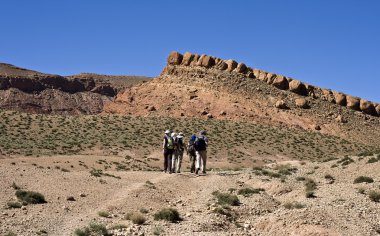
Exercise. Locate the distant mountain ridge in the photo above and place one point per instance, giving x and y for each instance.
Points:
(32, 91)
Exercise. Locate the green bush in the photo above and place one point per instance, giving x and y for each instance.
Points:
(246, 192)
(137, 218)
(372, 160)
(226, 198)
(144, 210)
(168, 214)
(30, 197)
(14, 205)
(363, 179)
(374, 196)
(105, 214)
(310, 185)
(92, 229)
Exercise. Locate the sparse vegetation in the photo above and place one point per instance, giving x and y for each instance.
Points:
(157, 230)
(168, 214)
(226, 198)
(93, 229)
(14, 205)
(310, 186)
(137, 218)
(294, 205)
(246, 192)
(363, 179)
(10, 234)
(118, 226)
(149, 184)
(374, 196)
(345, 161)
(144, 210)
(34, 134)
(30, 197)
(105, 214)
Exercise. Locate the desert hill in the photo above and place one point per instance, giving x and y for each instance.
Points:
(211, 88)
(31, 91)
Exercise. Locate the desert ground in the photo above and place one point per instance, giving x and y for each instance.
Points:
(278, 198)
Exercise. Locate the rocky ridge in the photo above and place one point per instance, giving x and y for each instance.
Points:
(32, 91)
(276, 80)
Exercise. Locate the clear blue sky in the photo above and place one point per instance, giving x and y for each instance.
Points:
(329, 43)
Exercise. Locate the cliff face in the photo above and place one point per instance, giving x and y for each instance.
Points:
(32, 91)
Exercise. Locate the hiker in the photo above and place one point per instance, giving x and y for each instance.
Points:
(168, 147)
(191, 152)
(179, 152)
(175, 152)
(201, 143)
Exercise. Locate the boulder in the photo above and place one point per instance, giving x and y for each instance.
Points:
(207, 61)
(297, 87)
(310, 90)
(262, 75)
(187, 58)
(302, 103)
(377, 108)
(250, 73)
(231, 65)
(256, 72)
(241, 68)
(281, 82)
(195, 60)
(327, 95)
(340, 98)
(269, 78)
(281, 105)
(353, 102)
(175, 58)
(222, 66)
(367, 107)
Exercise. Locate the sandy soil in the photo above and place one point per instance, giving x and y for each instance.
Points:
(337, 209)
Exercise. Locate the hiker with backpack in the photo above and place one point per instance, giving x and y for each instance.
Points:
(180, 148)
(175, 152)
(201, 143)
(168, 147)
(191, 152)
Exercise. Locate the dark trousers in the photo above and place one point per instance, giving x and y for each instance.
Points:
(192, 161)
(168, 159)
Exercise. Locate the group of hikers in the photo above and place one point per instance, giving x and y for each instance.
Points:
(174, 148)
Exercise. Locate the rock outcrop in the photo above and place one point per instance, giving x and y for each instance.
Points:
(278, 81)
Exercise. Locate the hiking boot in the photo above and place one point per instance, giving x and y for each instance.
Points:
(196, 172)
(204, 172)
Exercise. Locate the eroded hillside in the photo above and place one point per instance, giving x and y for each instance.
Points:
(209, 88)
(36, 92)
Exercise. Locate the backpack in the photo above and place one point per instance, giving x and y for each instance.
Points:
(180, 143)
(200, 144)
(169, 143)
(190, 146)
